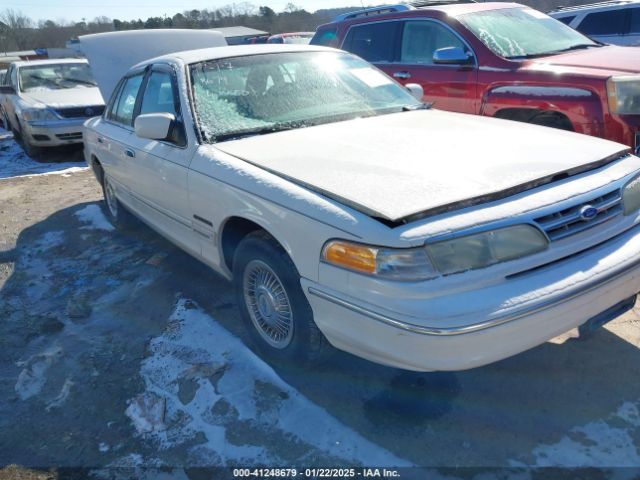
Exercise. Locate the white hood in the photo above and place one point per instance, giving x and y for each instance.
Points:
(395, 166)
(67, 97)
(112, 54)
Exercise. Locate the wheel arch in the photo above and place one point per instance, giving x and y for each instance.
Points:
(237, 227)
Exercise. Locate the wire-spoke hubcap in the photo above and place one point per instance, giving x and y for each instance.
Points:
(268, 304)
(110, 194)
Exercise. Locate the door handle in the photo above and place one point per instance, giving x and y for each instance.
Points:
(100, 140)
(130, 153)
(402, 75)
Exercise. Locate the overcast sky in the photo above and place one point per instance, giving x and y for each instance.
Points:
(132, 9)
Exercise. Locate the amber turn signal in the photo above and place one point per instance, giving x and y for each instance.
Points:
(351, 256)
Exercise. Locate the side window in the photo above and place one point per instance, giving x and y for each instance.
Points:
(374, 42)
(612, 22)
(7, 76)
(566, 20)
(421, 40)
(635, 20)
(326, 38)
(113, 103)
(127, 100)
(160, 97)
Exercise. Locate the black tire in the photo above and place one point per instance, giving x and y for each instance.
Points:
(117, 214)
(306, 345)
(552, 120)
(30, 149)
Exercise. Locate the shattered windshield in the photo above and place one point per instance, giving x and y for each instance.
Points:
(56, 77)
(254, 95)
(523, 33)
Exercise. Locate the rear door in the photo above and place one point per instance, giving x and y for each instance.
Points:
(160, 167)
(115, 135)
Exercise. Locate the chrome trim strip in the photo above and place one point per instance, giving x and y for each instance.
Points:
(494, 322)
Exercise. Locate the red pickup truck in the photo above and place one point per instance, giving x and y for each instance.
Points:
(501, 60)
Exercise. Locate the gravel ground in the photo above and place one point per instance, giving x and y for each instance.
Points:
(119, 350)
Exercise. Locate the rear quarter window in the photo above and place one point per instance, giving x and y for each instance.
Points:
(611, 22)
(375, 42)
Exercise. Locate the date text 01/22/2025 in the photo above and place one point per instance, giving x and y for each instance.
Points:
(315, 473)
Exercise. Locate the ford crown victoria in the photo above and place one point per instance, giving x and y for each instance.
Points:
(346, 211)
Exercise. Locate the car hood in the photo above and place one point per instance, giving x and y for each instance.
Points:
(68, 97)
(608, 60)
(397, 166)
(112, 54)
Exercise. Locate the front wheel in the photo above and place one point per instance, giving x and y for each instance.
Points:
(275, 312)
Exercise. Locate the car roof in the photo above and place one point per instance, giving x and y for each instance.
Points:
(613, 4)
(215, 53)
(51, 61)
(450, 9)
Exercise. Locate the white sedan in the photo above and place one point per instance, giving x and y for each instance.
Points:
(46, 102)
(346, 211)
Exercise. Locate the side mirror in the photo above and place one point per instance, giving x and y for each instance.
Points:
(416, 90)
(154, 126)
(452, 56)
(7, 90)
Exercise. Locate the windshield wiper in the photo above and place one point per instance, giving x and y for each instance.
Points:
(251, 132)
(580, 46)
(78, 80)
(421, 106)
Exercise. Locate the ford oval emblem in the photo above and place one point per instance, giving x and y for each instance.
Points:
(88, 112)
(588, 212)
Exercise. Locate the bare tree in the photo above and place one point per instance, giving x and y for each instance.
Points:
(18, 28)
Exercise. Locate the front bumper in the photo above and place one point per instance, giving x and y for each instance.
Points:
(54, 133)
(469, 329)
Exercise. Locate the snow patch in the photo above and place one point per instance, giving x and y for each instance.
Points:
(62, 396)
(15, 163)
(227, 383)
(602, 443)
(543, 91)
(92, 214)
(34, 372)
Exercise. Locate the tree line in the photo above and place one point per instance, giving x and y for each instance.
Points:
(19, 32)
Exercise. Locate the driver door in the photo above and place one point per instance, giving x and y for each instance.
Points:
(449, 87)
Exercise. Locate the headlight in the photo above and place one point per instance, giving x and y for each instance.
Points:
(411, 264)
(487, 248)
(631, 196)
(38, 115)
(624, 95)
(442, 258)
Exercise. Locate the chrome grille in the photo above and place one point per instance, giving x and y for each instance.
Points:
(81, 112)
(570, 221)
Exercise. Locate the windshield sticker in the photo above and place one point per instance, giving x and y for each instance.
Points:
(371, 77)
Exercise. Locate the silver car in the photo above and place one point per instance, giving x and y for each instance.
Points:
(608, 22)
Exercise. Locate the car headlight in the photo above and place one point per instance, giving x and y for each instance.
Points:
(442, 258)
(624, 95)
(38, 115)
(631, 196)
(486, 248)
(410, 264)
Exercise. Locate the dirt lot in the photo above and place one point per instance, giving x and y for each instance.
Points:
(117, 349)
